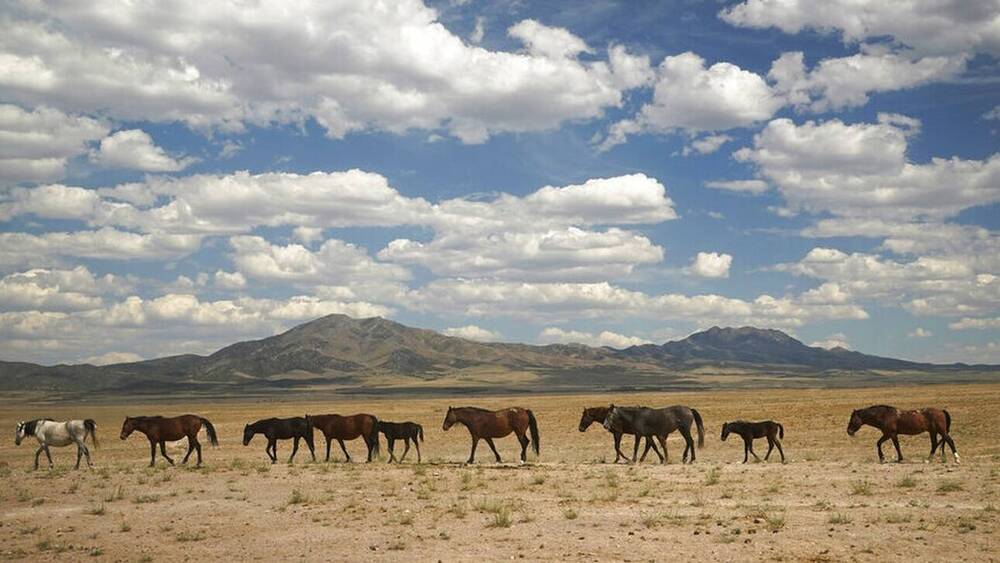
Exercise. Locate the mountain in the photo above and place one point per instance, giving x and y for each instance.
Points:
(350, 355)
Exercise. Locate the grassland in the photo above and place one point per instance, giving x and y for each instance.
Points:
(831, 502)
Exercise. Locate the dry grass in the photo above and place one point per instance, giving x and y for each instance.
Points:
(565, 505)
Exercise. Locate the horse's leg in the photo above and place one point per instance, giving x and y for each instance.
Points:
(688, 442)
(295, 449)
(650, 445)
(38, 453)
(312, 447)
(746, 450)
(899, 454)
(635, 449)
(770, 448)
(951, 444)
(86, 453)
(524, 446)
(934, 445)
(152, 453)
(272, 449)
(328, 440)
(391, 445)
(406, 448)
(472, 454)
(617, 438)
(343, 448)
(663, 444)
(197, 447)
(190, 449)
(878, 447)
(780, 451)
(493, 447)
(163, 451)
(79, 454)
(416, 443)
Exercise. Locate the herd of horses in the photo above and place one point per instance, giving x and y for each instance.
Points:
(650, 424)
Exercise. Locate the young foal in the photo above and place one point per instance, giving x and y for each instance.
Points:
(599, 415)
(274, 429)
(892, 422)
(485, 424)
(160, 430)
(51, 433)
(340, 428)
(405, 431)
(750, 430)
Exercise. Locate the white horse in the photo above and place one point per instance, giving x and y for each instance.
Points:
(51, 433)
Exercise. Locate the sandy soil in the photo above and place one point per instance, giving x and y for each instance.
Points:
(831, 502)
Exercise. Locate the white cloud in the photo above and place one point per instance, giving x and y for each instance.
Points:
(230, 280)
(710, 265)
(473, 332)
(976, 324)
(479, 31)
(109, 358)
(706, 145)
(993, 114)
(57, 290)
(134, 149)
(349, 66)
(838, 340)
(692, 97)
(25, 249)
(555, 335)
(36, 145)
(949, 27)
(920, 332)
(749, 186)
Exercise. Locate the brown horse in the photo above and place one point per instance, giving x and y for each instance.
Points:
(340, 428)
(751, 430)
(160, 430)
(485, 424)
(598, 415)
(892, 422)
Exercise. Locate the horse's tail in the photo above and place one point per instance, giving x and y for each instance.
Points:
(372, 437)
(781, 431)
(701, 428)
(420, 432)
(90, 427)
(210, 430)
(947, 421)
(533, 426)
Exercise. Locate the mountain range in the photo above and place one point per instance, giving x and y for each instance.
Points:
(375, 355)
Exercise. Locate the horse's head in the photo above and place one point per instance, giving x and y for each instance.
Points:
(248, 435)
(612, 420)
(591, 416)
(449, 419)
(19, 433)
(854, 424)
(725, 432)
(128, 427)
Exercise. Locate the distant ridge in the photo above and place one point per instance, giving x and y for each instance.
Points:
(342, 353)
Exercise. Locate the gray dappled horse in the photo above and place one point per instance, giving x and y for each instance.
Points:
(49, 432)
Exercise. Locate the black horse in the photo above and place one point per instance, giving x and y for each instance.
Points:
(750, 430)
(659, 423)
(274, 429)
(405, 431)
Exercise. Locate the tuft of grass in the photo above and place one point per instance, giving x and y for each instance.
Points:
(298, 497)
(95, 552)
(502, 518)
(839, 518)
(124, 527)
(146, 499)
(897, 518)
(775, 521)
(406, 519)
(458, 510)
(23, 495)
(538, 479)
(712, 477)
(96, 510)
(118, 494)
(189, 536)
(949, 486)
(907, 482)
(570, 514)
(861, 488)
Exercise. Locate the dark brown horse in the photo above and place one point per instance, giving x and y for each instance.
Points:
(404, 431)
(892, 422)
(485, 424)
(160, 430)
(750, 430)
(659, 423)
(340, 428)
(274, 429)
(598, 415)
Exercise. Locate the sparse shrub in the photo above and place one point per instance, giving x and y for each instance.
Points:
(298, 497)
(146, 499)
(949, 486)
(570, 514)
(97, 510)
(861, 488)
(907, 482)
(839, 518)
(189, 536)
(775, 521)
(712, 477)
(502, 518)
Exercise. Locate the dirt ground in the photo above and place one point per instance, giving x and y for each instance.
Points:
(832, 501)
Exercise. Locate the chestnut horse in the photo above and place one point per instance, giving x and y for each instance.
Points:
(485, 424)
(598, 415)
(892, 422)
(340, 428)
(160, 430)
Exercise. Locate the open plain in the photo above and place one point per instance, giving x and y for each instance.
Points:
(832, 501)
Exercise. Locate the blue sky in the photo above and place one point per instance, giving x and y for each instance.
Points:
(175, 177)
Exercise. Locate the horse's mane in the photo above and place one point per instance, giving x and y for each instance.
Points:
(880, 407)
(474, 409)
(146, 418)
(29, 426)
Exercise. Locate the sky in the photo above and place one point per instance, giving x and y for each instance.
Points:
(176, 176)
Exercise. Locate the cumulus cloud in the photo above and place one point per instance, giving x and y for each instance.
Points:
(555, 335)
(838, 340)
(109, 358)
(710, 265)
(356, 67)
(749, 186)
(25, 249)
(134, 149)
(975, 324)
(706, 145)
(75, 289)
(36, 145)
(920, 332)
(473, 332)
